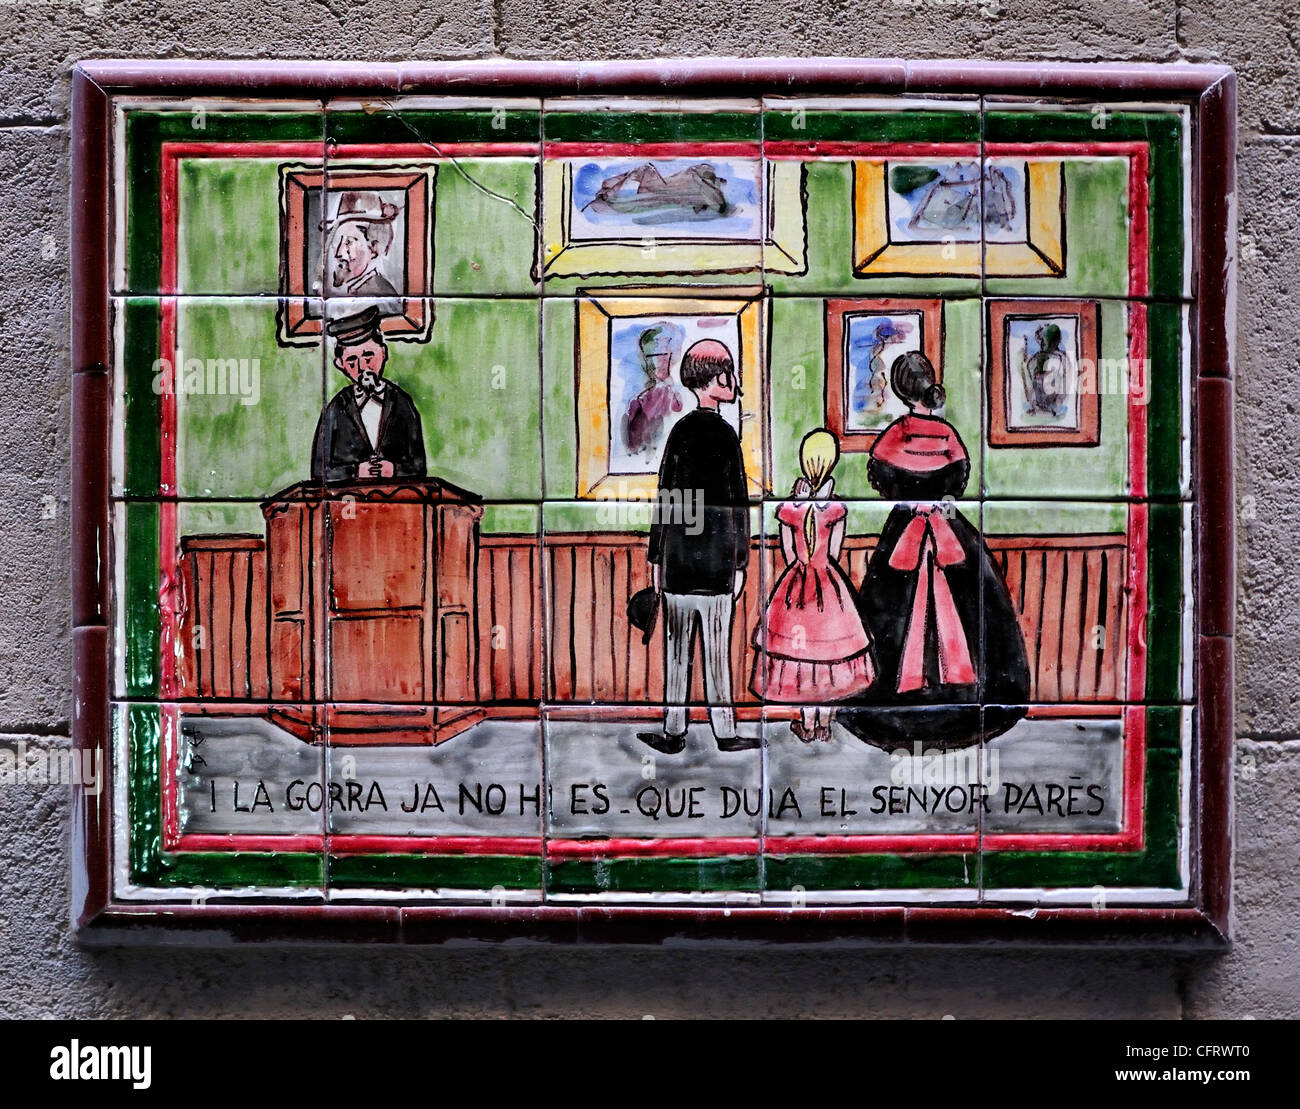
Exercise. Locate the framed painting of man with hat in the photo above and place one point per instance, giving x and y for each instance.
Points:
(354, 237)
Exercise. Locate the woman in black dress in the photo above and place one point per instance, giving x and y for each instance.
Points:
(940, 679)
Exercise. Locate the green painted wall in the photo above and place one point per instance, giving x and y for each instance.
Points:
(1096, 235)
(475, 383)
(227, 448)
(229, 239)
(495, 384)
(484, 236)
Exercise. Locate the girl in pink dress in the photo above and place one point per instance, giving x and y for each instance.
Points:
(811, 647)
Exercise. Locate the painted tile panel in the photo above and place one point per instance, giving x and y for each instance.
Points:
(654, 501)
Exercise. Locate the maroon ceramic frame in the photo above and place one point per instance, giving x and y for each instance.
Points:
(1210, 92)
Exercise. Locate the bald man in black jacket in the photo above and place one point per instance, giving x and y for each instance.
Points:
(699, 548)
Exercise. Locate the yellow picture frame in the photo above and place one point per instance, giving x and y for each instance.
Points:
(783, 250)
(596, 313)
(1041, 255)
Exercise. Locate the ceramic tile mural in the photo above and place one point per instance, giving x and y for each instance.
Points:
(558, 499)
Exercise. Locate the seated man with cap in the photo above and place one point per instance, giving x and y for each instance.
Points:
(370, 429)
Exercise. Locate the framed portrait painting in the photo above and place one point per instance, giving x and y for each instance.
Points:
(359, 235)
(630, 393)
(863, 338)
(1042, 373)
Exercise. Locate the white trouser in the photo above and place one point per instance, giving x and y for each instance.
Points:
(714, 612)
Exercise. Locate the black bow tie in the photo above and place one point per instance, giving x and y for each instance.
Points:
(364, 395)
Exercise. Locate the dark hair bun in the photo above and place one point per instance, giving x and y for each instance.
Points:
(913, 379)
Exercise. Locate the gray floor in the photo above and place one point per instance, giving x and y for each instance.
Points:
(245, 775)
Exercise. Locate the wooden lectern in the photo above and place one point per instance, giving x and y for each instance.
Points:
(373, 610)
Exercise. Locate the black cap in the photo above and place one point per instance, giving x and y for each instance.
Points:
(642, 608)
(357, 328)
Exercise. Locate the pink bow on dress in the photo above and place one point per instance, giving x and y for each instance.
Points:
(929, 530)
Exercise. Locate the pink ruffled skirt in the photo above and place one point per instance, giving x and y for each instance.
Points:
(799, 681)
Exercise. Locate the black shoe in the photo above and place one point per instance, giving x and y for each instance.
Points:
(739, 743)
(663, 743)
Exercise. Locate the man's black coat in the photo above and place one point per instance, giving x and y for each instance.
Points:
(703, 467)
(341, 444)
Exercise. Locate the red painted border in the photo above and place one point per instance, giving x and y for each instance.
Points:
(798, 150)
(1136, 588)
(1137, 411)
(1130, 838)
(364, 845)
(554, 150)
(429, 151)
(631, 847)
(434, 845)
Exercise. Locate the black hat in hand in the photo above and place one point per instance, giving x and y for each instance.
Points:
(642, 611)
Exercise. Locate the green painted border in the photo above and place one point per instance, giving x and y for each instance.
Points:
(1157, 865)
(1165, 603)
(652, 127)
(738, 873)
(870, 125)
(1165, 406)
(907, 871)
(426, 125)
(467, 872)
(142, 443)
(140, 617)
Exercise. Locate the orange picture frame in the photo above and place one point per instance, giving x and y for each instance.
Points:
(838, 389)
(1083, 386)
(297, 321)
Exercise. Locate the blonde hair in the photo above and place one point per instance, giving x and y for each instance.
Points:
(818, 453)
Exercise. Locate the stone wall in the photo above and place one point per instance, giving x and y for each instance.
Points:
(43, 972)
